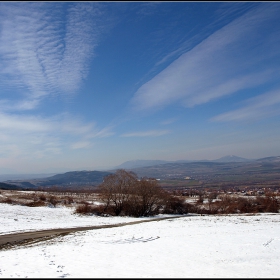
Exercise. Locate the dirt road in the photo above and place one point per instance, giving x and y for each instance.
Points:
(8, 241)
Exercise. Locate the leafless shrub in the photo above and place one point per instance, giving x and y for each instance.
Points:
(192, 208)
(42, 197)
(213, 208)
(8, 200)
(53, 200)
(37, 203)
(69, 199)
(84, 209)
(211, 203)
(213, 195)
(176, 205)
(268, 203)
(224, 203)
(200, 197)
(25, 196)
(101, 210)
(245, 205)
(272, 206)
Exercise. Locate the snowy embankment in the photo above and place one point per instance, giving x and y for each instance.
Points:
(193, 246)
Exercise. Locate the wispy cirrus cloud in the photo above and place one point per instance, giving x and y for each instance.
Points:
(240, 55)
(148, 133)
(81, 145)
(63, 124)
(20, 105)
(44, 51)
(168, 121)
(147, 8)
(222, 16)
(37, 136)
(264, 105)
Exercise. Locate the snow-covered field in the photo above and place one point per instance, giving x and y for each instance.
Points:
(192, 246)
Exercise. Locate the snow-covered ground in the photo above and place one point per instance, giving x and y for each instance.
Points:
(192, 246)
(16, 218)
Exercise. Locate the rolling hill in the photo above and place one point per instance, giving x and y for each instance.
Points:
(229, 169)
(5, 186)
(252, 172)
(232, 158)
(73, 178)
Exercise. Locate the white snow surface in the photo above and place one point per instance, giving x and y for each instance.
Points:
(221, 246)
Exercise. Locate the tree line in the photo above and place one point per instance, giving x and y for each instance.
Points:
(123, 193)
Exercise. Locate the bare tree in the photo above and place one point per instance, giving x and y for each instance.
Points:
(117, 188)
(201, 195)
(125, 194)
(225, 201)
(146, 199)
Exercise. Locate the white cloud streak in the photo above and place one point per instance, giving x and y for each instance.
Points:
(38, 57)
(231, 59)
(81, 145)
(168, 121)
(265, 105)
(149, 133)
(45, 50)
(7, 105)
(36, 136)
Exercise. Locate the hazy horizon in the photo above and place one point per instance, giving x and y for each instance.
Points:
(91, 85)
(13, 175)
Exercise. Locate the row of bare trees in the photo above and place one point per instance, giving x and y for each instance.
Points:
(228, 204)
(122, 193)
(125, 194)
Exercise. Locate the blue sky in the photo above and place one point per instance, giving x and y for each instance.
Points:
(90, 85)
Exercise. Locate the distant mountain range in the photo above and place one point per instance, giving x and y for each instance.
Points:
(76, 177)
(144, 163)
(232, 159)
(152, 168)
(227, 169)
(5, 186)
(140, 163)
(269, 159)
